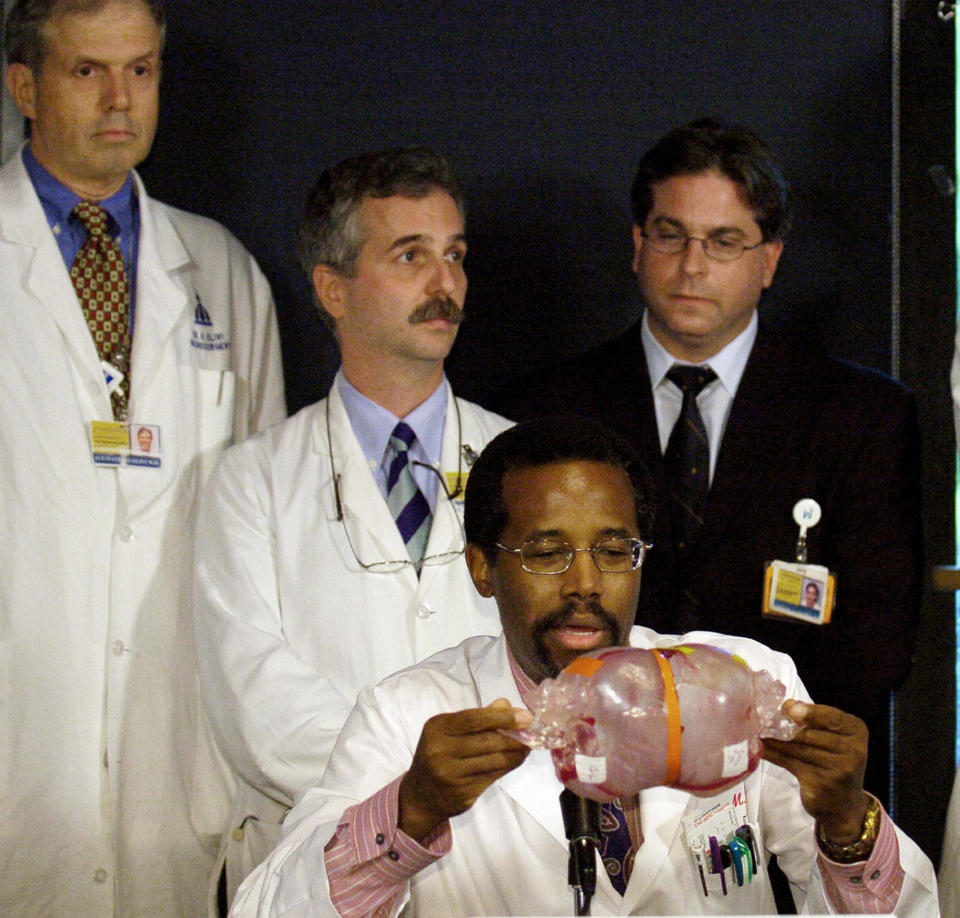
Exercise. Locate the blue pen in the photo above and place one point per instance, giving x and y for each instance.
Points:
(736, 855)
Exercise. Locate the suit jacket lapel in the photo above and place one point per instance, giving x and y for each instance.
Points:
(754, 426)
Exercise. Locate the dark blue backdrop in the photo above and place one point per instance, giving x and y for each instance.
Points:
(544, 109)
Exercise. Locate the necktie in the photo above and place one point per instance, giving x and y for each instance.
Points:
(616, 847)
(100, 280)
(687, 459)
(405, 500)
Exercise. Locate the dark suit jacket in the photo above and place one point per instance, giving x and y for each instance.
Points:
(801, 425)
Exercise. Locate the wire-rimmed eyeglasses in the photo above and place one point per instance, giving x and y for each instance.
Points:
(387, 567)
(552, 556)
(722, 246)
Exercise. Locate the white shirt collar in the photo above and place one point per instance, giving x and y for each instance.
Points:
(728, 363)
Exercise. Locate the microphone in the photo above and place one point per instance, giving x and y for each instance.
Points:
(581, 823)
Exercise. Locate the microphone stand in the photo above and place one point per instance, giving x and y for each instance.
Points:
(581, 823)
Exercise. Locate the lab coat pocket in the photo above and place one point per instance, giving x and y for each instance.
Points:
(215, 404)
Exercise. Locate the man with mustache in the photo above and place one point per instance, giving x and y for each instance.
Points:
(120, 315)
(330, 550)
(427, 807)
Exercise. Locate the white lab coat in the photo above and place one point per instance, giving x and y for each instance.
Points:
(950, 858)
(509, 853)
(99, 747)
(290, 626)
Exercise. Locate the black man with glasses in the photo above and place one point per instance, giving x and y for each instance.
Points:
(428, 809)
(330, 550)
(752, 434)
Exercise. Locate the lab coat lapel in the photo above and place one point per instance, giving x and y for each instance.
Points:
(46, 278)
(163, 291)
(661, 810)
(446, 529)
(372, 528)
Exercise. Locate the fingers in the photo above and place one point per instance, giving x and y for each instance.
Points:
(498, 715)
(823, 717)
(828, 757)
(458, 757)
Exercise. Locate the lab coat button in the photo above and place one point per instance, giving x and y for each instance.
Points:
(424, 611)
(99, 875)
(118, 648)
(125, 533)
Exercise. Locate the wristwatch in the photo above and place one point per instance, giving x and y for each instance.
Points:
(859, 849)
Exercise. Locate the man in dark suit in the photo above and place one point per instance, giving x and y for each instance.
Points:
(779, 422)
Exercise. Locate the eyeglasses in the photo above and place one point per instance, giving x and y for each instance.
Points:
(387, 567)
(465, 453)
(670, 240)
(550, 556)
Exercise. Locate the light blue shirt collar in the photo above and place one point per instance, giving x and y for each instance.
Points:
(372, 425)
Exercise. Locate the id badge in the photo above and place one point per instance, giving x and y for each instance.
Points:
(795, 589)
(805, 592)
(114, 444)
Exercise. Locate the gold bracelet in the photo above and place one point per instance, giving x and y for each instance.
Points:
(860, 849)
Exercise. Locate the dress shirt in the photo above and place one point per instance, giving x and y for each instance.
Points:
(58, 202)
(369, 858)
(714, 401)
(372, 426)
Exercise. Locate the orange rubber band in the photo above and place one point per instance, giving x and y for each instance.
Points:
(584, 666)
(674, 728)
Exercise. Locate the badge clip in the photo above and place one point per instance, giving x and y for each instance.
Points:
(806, 514)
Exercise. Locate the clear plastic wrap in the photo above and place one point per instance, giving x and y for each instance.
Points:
(623, 719)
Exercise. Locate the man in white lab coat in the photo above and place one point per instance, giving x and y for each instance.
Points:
(427, 805)
(306, 588)
(100, 752)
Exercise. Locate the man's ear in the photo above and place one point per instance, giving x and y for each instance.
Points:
(479, 569)
(330, 287)
(23, 89)
(637, 245)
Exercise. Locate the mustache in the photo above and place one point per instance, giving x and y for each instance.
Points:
(437, 307)
(558, 618)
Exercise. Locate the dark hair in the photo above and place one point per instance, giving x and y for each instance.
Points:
(732, 150)
(24, 41)
(542, 442)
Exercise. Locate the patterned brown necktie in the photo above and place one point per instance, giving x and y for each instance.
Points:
(101, 283)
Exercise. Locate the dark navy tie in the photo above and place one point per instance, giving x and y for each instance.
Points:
(616, 848)
(687, 459)
(405, 500)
